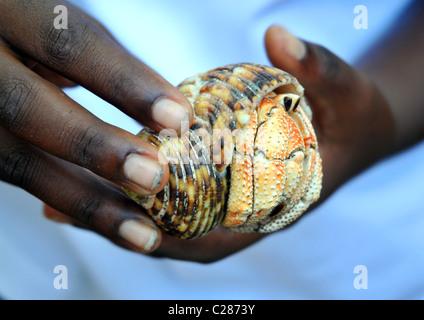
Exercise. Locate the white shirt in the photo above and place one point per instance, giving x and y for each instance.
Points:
(376, 220)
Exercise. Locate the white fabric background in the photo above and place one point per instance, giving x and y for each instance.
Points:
(376, 220)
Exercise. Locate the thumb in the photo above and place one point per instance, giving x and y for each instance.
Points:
(310, 63)
(284, 50)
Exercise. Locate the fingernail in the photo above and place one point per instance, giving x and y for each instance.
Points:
(143, 171)
(170, 114)
(295, 47)
(140, 235)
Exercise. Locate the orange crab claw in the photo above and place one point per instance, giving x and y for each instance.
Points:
(268, 163)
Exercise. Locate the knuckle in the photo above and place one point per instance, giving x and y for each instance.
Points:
(64, 47)
(18, 165)
(87, 208)
(17, 97)
(118, 83)
(86, 146)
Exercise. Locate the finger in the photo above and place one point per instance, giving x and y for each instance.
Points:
(210, 248)
(312, 64)
(49, 75)
(54, 77)
(61, 218)
(77, 193)
(40, 113)
(341, 97)
(86, 55)
(320, 72)
(56, 216)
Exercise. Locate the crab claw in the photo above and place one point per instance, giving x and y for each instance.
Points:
(271, 163)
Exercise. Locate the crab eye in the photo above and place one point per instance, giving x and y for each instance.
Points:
(296, 104)
(290, 101)
(287, 103)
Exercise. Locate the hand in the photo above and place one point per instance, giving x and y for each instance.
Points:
(58, 151)
(352, 121)
(353, 124)
(215, 246)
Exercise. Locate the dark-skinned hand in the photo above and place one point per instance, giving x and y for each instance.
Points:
(352, 121)
(57, 150)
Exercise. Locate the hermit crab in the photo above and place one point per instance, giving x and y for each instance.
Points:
(249, 161)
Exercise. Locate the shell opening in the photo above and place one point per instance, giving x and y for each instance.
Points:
(287, 88)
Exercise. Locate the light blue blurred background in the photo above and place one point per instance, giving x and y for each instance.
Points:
(376, 220)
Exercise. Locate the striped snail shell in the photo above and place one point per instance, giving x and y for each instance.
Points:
(249, 161)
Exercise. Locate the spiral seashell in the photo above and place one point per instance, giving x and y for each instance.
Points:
(249, 161)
